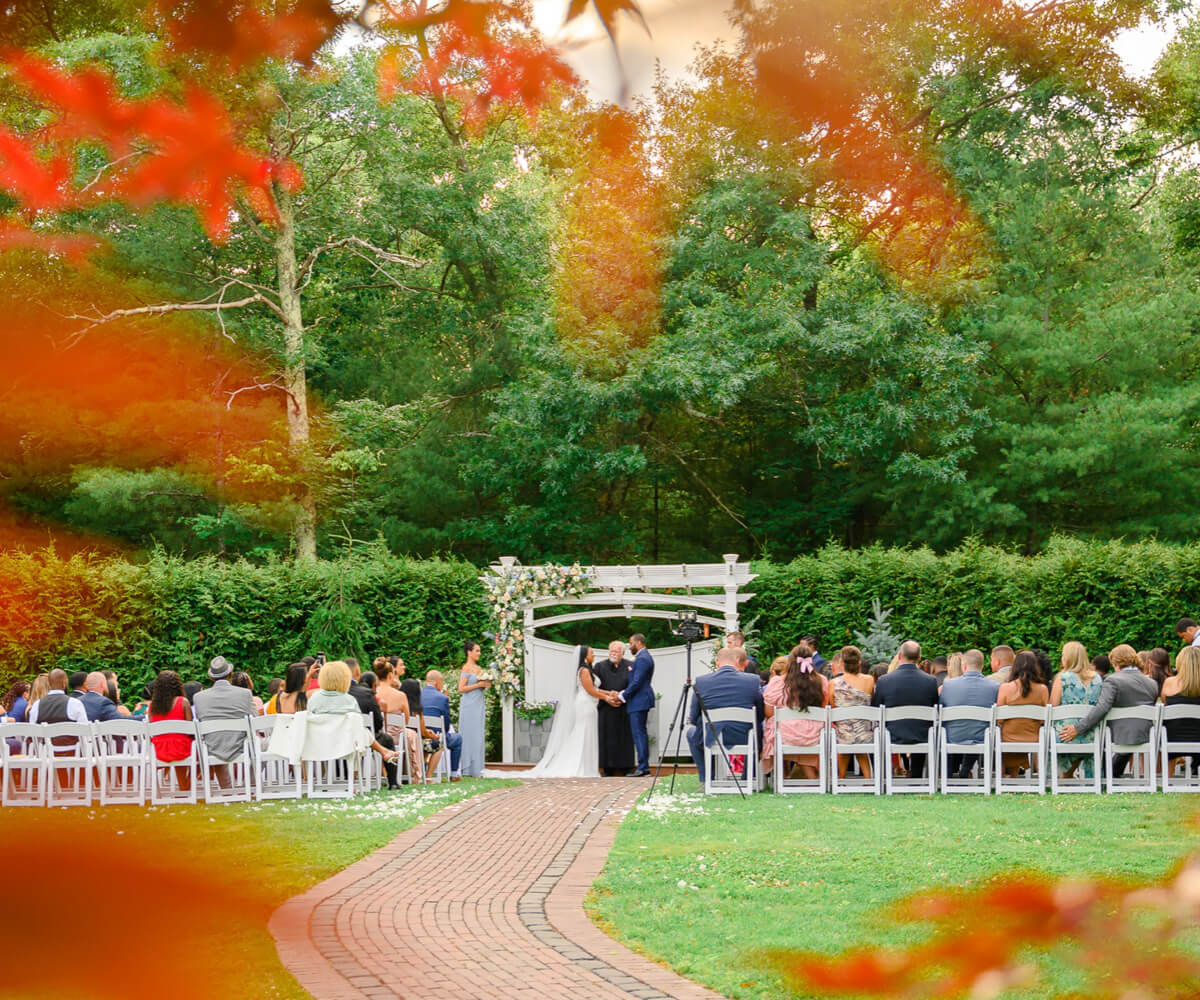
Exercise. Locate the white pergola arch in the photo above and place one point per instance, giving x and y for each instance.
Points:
(657, 592)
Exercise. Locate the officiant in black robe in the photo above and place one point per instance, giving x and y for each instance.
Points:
(612, 721)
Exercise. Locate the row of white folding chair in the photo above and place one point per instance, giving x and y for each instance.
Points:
(64, 763)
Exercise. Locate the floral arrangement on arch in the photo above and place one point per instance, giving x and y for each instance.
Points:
(508, 593)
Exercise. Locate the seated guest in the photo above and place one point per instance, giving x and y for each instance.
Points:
(1024, 688)
(113, 690)
(95, 701)
(274, 686)
(879, 670)
(412, 691)
(333, 698)
(293, 698)
(54, 705)
(369, 705)
(1077, 683)
(394, 702)
(954, 666)
(435, 703)
(223, 701)
(726, 687)
(1184, 689)
(1001, 663)
(819, 661)
(241, 679)
(191, 689)
(168, 704)
(15, 705)
(77, 683)
(852, 688)
(1102, 664)
(1045, 667)
(314, 668)
(369, 680)
(1157, 665)
(905, 686)
(801, 687)
(939, 667)
(975, 690)
(1125, 687)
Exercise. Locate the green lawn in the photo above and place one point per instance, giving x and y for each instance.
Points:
(703, 884)
(274, 849)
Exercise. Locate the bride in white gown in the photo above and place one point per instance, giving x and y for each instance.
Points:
(573, 750)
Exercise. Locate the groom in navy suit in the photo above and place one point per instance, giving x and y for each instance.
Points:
(638, 697)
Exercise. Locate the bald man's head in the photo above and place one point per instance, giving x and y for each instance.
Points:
(434, 679)
(96, 682)
(57, 679)
(726, 657)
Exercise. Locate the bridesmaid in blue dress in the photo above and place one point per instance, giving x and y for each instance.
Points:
(471, 712)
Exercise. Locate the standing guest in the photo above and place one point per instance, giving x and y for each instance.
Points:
(1157, 665)
(1188, 631)
(904, 686)
(333, 697)
(613, 731)
(852, 689)
(435, 704)
(1024, 688)
(293, 697)
(970, 689)
(95, 701)
(16, 702)
(734, 640)
(169, 704)
(223, 701)
(1184, 689)
(364, 697)
(638, 698)
(1001, 663)
(1125, 687)
(1078, 683)
(241, 679)
(1102, 664)
(801, 687)
(472, 711)
(54, 705)
(725, 687)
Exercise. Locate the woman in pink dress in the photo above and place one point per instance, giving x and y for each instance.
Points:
(800, 686)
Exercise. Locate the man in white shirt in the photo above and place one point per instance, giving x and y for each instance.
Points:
(55, 706)
(1188, 631)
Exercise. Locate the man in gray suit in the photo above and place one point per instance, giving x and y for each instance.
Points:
(1122, 689)
(973, 689)
(223, 701)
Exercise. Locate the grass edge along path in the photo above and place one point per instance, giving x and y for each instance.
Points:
(707, 885)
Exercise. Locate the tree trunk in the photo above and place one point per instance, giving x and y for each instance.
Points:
(295, 381)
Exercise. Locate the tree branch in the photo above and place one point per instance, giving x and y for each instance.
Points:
(216, 302)
(304, 271)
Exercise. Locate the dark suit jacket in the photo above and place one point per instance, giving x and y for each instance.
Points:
(639, 695)
(729, 688)
(435, 704)
(906, 685)
(99, 708)
(367, 704)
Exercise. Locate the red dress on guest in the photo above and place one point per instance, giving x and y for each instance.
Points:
(172, 746)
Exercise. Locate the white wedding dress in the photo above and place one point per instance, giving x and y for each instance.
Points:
(573, 749)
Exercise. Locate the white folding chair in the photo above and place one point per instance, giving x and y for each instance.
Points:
(70, 762)
(982, 751)
(331, 758)
(163, 775)
(1034, 749)
(1143, 758)
(718, 779)
(414, 723)
(23, 764)
(784, 784)
(395, 725)
(1177, 753)
(274, 776)
(927, 748)
(371, 764)
(121, 760)
(871, 749)
(1061, 716)
(442, 769)
(240, 768)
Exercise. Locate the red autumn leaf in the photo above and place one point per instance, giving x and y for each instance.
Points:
(39, 185)
(244, 32)
(76, 248)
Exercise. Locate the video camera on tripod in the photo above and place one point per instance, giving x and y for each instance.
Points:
(687, 627)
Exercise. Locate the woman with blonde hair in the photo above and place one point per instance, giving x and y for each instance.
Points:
(332, 698)
(38, 690)
(1077, 683)
(1184, 689)
(954, 665)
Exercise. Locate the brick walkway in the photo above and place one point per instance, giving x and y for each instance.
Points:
(484, 899)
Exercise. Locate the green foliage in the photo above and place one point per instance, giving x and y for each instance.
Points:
(877, 644)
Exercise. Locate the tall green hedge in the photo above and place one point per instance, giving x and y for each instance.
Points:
(141, 617)
(1099, 593)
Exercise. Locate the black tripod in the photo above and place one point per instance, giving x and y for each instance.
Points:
(690, 630)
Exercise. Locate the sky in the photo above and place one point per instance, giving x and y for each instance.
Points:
(678, 26)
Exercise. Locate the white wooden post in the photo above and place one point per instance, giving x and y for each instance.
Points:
(731, 595)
